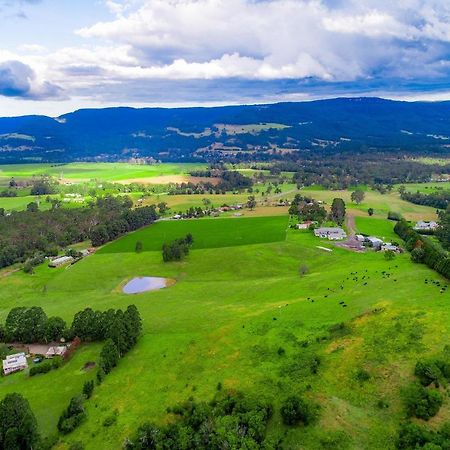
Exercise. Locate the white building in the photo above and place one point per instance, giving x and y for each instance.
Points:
(304, 225)
(58, 262)
(331, 233)
(388, 246)
(423, 225)
(14, 363)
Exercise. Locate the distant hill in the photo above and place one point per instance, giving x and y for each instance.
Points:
(235, 132)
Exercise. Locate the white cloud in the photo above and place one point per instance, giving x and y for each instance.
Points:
(267, 41)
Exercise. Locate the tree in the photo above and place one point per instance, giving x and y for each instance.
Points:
(109, 356)
(32, 207)
(401, 189)
(18, 425)
(358, 196)
(418, 255)
(55, 329)
(163, 207)
(338, 211)
(295, 410)
(389, 255)
(251, 202)
(138, 247)
(370, 211)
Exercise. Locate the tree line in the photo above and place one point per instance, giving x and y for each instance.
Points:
(423, 250)
(438, 200)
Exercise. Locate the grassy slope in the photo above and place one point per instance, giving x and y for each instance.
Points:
(380, 203)
(376, 227)
(218, 324)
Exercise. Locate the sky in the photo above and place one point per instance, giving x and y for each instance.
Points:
(60, 55)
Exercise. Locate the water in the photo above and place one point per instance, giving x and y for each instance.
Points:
(144, 284)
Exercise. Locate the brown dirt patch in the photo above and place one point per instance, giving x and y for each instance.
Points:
(89, 366)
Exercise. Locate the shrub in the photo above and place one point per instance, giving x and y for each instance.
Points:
(420, 402)
(297, 410)
(72, 416)
(362, 375)
(418, 255)
(139, 247)
(88, 388)
(427, 372)
(394, 216)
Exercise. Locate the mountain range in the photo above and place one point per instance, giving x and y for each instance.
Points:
(250, 132)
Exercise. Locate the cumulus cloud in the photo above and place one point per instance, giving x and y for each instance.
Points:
(289, 47)
(19, 80)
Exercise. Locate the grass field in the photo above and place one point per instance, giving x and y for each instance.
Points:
(100, 171)
(224, 320)
(381, 228)
(381, 204)
(207, 233)
(427, 188)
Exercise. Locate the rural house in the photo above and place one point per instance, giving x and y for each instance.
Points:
(425, 225)
(14, 363)
(56, 351)
(331, 233)
(305, 225)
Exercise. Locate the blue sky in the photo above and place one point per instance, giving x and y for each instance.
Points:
(60, 55)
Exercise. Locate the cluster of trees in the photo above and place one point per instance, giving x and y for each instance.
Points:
(413, 436)
(423, 250)
(424, 402)
(438, 200)
(123, 327)
(306, 208)
(177, 249)
(230, 180)
(29, 325)
(230, 421)
(72, 416)
(358, 196)
(27, 233)
(128, 220)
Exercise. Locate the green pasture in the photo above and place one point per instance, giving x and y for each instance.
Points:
(427, 188)
(381, 203)
(231, 310)
(207, 233)
(100, 171)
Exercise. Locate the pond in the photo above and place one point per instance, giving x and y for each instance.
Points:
(145, 284)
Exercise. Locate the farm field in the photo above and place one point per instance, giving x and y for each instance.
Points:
(373, 226)
(238, 299)
(427, 188)
(112, 172)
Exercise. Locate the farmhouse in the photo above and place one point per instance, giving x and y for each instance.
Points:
(14, 363)
(426, 226)
(56, 351)
(304, 225)
(333, 234)
(375, 242)
(58, 262)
